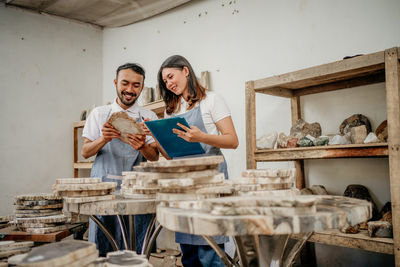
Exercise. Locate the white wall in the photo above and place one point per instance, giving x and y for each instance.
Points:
(238, 41)
(248, 40)
(50, 70)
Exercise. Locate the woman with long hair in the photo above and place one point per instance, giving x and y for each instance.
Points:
(210, 124)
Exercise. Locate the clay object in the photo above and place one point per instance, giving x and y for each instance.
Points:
(361, 192)
(380, 229)
(382, 131)
(354, 121)
(305, 142)
(321, 141)
(125, 124)
(292, 142)
(371, 138)
(302, 128)
(267, 140)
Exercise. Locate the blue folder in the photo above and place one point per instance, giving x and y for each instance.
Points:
(173, 145)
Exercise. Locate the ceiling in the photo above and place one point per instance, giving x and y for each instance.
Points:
(103, 13)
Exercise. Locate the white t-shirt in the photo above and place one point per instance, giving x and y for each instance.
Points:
(213, 109)
(98, 116)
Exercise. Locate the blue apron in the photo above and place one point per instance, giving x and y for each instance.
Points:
(114, 158)
(194, 118)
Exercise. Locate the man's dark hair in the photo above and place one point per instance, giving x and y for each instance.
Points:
(133, 66)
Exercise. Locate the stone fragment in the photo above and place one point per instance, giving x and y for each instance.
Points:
(125, 124)
(380, 229)
(387, 217)
(292, 142)
(321, 141)
(371, 138)
(339, 140)
(351, 229)
(306, 191)
(358, 134)
(282, 140)
(354, 121)
(305, 142)
(382, 131)
(302, 128)
(319, 190)
(361, 192)
(267, 140)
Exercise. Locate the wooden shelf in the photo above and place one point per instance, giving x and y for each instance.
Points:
(83, 165)
(357, 71)
(372, 68)
(322, 152)
(360, 241)
(9, 234)
(78, 124)
(157, 107)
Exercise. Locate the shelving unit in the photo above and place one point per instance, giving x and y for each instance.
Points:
(362, 70)
(156, 106)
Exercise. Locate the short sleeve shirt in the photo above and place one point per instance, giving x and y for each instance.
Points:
(100, 115)
(213, 109)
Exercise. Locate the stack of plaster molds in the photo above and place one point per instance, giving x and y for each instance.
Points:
(10, 248)
(39, 213)
(179, 179)
(4, 220)
(272, 182)
(65, 253)
(189, 179)
(76, 191)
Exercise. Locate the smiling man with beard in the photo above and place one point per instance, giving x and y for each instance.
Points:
(114, 156)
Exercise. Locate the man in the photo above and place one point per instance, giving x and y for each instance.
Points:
(114, 156)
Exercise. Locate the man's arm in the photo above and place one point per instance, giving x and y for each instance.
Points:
(90, 148)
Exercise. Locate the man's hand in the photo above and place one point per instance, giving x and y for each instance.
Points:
(137, 141)
(144, 127)
(192, 134)
(109, 132)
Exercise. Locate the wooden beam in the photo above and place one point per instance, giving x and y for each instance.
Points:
(360, 241)
(359, 81)
(327, 73)
(250, 125)
(393, 118)
(322, 152)
(283, 92)
(295, 109)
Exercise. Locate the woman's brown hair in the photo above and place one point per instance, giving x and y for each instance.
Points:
(196, 91)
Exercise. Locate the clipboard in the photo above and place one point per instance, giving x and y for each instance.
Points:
(173, 145)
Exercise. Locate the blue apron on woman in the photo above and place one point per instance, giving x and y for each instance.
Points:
(113, 159)
(194, 118)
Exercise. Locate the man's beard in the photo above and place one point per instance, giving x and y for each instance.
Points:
(123, 101)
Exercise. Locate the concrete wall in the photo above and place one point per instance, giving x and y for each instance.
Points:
(237, 41)
(50, 70)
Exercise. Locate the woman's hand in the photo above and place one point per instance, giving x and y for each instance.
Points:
(192, 134)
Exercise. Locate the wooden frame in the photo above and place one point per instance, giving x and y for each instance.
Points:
(361, 70)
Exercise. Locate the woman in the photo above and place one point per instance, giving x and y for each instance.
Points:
(210, 124)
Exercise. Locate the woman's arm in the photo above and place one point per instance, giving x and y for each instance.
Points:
(227, 139)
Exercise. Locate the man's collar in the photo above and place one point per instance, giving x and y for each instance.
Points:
(132, 109)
